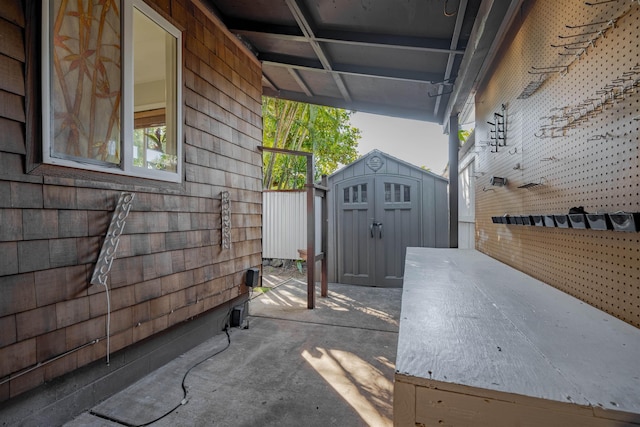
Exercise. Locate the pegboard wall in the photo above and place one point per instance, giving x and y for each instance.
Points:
(567, 85)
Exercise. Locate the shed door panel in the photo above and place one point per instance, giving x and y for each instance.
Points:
(357, 253)
(378, 218)
(397, 210)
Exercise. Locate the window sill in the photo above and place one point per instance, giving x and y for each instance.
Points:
(67, 176)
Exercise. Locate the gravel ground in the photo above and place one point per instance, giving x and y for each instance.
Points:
(288, 269)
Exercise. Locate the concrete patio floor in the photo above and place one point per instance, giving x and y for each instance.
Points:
(333, 365)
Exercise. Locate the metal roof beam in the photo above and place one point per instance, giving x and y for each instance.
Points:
(303, 19)
(424, 44)
(283, 32)
(490, 26)
(462, 9)
(296, 76)
(287, 32)
(383, 109)
(348, 69)
(268, 81)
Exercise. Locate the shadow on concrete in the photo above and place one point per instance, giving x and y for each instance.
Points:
(333, 365)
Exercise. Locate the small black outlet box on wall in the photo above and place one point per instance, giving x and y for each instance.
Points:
(237, 316)
(252, 278)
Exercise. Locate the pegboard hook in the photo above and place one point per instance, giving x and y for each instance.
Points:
(543, 134)
(599, 137)
(610, 23)
(568, 45)
(600, 2)
(581, 34)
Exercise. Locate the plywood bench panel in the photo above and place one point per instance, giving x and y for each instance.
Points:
(468, 320)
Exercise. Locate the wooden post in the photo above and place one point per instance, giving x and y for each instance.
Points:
(324, 236)
(311, 234)
(311, 225)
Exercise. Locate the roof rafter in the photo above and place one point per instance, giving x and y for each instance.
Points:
(348, 69)
(376, 108)
(269, 82)
(296, 76)
(283, 32)
(303, 19)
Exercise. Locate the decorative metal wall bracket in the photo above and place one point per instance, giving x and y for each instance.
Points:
(226, 219)
(108, 253)
(110, 245)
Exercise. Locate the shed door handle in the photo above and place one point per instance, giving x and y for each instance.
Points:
(379, 226)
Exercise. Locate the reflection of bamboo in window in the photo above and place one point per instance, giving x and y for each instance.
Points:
(81, 56)
(106, 88)
(58, 41)
(79, 60)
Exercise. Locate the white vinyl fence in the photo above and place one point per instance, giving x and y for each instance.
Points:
(284, 224)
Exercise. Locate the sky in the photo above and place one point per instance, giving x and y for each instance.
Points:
(417, 142)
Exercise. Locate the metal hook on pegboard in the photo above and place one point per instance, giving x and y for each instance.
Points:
(578, 114)
(579, 35)
(550, 70)
(600, 137)
(574, 45)
(610, 23)
(542, 135)
(600, 2)
(578, 54)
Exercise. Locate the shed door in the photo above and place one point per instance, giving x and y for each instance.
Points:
(378, 218)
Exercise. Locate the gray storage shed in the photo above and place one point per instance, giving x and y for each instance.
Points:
(378, 206)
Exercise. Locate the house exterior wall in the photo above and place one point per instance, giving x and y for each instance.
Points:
(592, 163)
(170, 266)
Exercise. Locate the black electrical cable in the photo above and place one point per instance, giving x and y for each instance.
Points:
(184, 388)
(184, 378)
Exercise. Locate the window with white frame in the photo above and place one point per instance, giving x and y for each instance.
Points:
(111, 88)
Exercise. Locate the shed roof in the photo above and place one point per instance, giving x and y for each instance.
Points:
(386, 156)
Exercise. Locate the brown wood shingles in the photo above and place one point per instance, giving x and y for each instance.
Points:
(170, 265)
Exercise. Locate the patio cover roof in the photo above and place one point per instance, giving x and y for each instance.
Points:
(417, 59)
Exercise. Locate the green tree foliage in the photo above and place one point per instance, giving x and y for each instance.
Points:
(324, 131)
(463, 135)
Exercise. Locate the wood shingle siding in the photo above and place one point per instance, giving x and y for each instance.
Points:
(169, 266)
